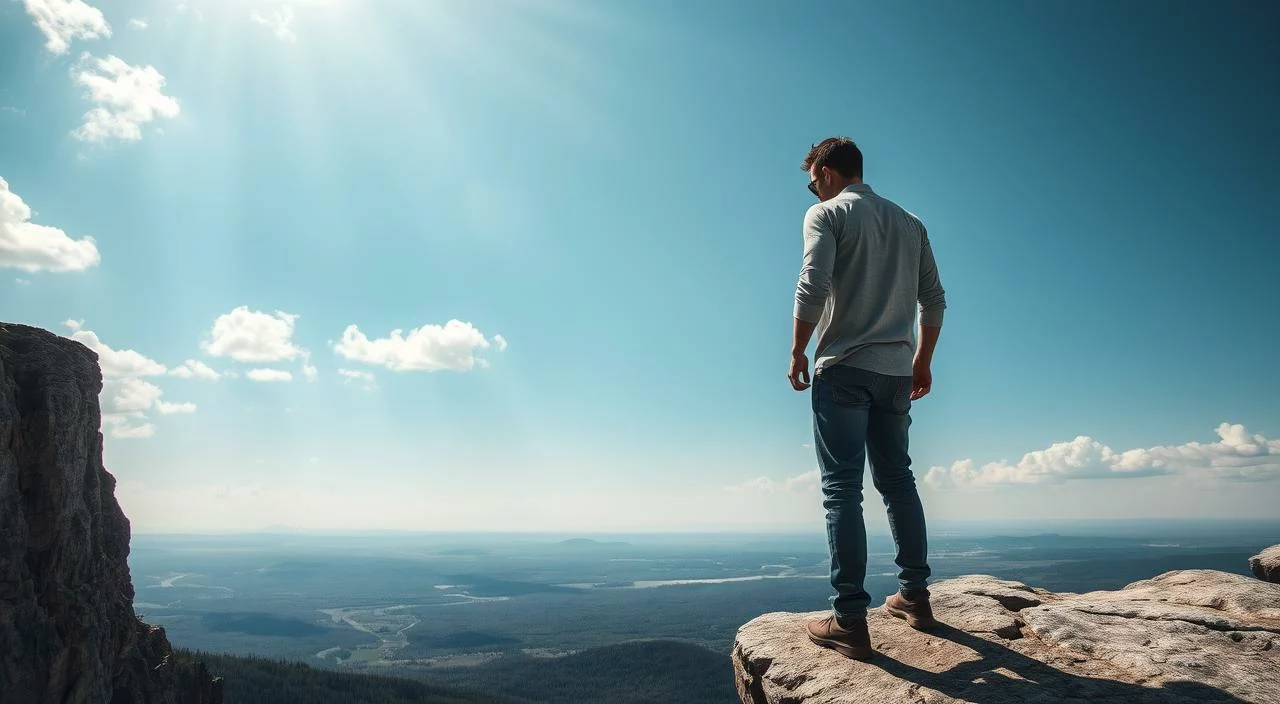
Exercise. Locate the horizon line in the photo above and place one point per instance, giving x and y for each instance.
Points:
(790, 531)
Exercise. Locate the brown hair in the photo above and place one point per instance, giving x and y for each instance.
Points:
(838, 153)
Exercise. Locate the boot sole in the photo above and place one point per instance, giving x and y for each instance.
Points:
(912, 620)
(849, 651)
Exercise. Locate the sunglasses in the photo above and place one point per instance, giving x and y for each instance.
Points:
(813, 188)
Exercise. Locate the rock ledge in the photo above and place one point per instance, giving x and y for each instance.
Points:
(1184, 636)
(1266, 564)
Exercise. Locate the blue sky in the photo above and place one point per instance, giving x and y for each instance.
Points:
(607, 199)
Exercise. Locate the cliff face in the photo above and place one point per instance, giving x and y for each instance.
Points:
(1184, 636)
(68, 632)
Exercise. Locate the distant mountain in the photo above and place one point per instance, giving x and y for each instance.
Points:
(480, 585)
(1115, 572)
(588, 543)
(255, 680)
(636, 672)
(1057, 540)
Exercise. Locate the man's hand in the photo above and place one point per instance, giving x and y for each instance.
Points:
(921, 379)
(799, 374)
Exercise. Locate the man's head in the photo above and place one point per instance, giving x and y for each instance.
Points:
(833, 164)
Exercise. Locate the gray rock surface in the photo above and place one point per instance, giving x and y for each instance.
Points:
(68, 632)
(1185, 636)
(1266, 564)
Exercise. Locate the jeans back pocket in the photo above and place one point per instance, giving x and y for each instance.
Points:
(850, 385)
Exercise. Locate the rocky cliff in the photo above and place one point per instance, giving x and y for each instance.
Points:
(1185, 636)
(68, 632)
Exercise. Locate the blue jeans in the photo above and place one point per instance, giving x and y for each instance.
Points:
(859, 415)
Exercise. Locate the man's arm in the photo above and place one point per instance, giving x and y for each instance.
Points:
(933, 301)
(800, 334)
(811, 290)
(928, 341)
(815, 271)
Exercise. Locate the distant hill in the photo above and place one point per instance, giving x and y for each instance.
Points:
(255, 680)
(1114, 572)
(259, 624)
(636, 672)
(588, 543)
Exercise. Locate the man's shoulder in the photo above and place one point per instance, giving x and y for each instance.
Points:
(907, 215)
(892, 204)
(836, 210)
(842, 203)
(912, 216)
(820, 212)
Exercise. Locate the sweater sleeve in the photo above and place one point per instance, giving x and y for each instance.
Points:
(932, 298)
(815, 272)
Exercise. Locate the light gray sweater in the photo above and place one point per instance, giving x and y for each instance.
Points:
(867, 264)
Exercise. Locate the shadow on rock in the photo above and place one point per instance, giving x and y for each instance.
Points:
(1005, 675)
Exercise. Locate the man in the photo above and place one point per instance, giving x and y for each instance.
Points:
(867, 264)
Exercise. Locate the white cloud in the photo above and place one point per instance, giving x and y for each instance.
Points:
(194, 369)
(501, 342)
(253, 336)
(807, 482)
(122, 427)
(128, 396)
(762, 485)
(30, 247)
(431, 347)
(115, 363)
(65, 20)
(352, 376)
(138, 23)
(167, 408)
(184, 8)
(1237, 455)
(279, 21)
(269, 375)
(127, 97)
(308, 369)
(22, 282)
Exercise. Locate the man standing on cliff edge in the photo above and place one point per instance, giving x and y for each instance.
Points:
(867, 263)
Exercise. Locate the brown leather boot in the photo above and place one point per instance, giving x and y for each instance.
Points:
(915, 609)
(853, 642)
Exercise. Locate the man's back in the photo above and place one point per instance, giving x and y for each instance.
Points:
(867, 264)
